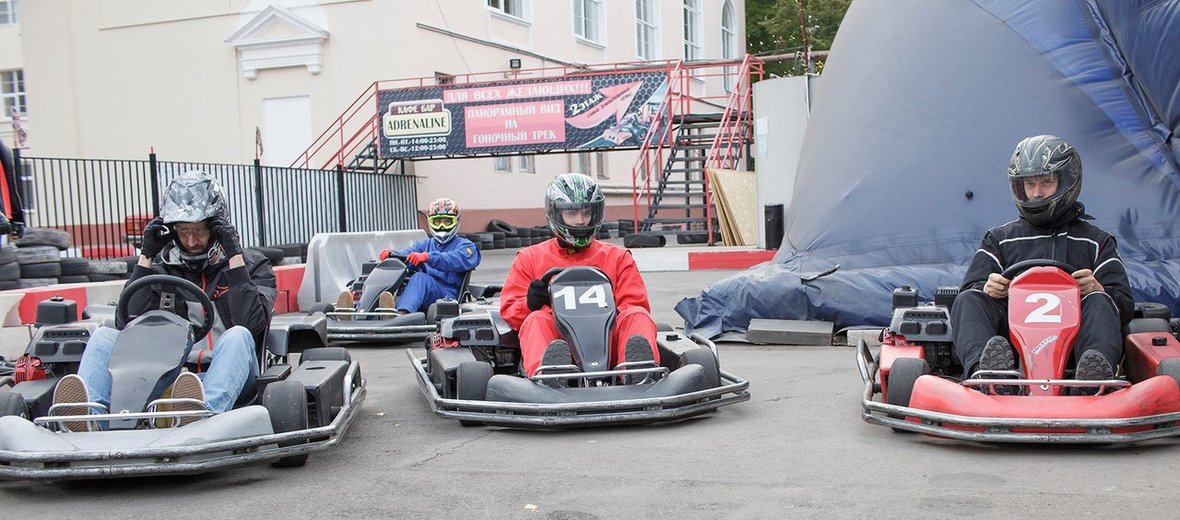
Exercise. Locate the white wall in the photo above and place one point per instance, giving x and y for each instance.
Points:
(780, 118)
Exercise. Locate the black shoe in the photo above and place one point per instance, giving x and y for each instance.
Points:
(557, 354)
(998, 355)
(638, 350)
(1092, 366)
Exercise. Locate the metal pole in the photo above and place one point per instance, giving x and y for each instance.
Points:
(340, 198)
(803, 31)
(259, 203)
(155, 181)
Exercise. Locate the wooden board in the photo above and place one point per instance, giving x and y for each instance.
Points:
(738, 202)
(789, 332)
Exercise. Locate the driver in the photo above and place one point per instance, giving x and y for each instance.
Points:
(192, 239)
(442, 260)
(574, 206)
(1045, 174)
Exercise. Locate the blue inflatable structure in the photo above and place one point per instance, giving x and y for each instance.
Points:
(905, 154)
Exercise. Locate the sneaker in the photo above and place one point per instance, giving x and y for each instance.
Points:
(344, 303)
(998, 355)
(1092, 366)
(188, 386)
(557, 354)
(385, 302)
(638, 350)
(72, 389)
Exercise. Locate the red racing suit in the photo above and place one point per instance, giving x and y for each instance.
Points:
(537, 328)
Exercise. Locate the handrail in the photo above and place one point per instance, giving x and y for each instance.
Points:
(728, 130)
(642, 161)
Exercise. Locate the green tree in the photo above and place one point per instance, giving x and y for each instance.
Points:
(772, 27)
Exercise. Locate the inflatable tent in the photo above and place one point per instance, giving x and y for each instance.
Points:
(905, 154)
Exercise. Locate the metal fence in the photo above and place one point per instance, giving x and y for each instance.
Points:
(104, 203)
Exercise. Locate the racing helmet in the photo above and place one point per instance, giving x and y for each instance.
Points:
(574, 192)
(443, 219)
(1046, 155)
(194, 196)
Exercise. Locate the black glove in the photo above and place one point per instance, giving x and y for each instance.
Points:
(538, 295)
(18, 229)
(227, 235)
(156, 235)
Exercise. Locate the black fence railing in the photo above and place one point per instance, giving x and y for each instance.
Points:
(104, 203)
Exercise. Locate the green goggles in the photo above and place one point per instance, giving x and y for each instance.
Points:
(443, 222)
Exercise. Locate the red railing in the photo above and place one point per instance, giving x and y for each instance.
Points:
(650, 161)
(732, 132)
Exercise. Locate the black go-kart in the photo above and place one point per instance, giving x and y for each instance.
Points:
(472, 369)
(365, 321)
(294, 410)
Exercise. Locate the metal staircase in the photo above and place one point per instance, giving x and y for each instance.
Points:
(366, 160)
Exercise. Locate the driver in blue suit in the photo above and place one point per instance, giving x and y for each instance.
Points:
(1045, 174)
(441, 260)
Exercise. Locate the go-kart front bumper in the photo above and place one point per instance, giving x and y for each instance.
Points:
(236, 438)
(377, 327)
(1147, 410)
(550, 416)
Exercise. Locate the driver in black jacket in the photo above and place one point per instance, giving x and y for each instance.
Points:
(192, 239)
(1045, 174)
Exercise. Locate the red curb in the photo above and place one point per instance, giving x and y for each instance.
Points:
(727, 259)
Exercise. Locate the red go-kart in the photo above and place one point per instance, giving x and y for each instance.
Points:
(917, 375)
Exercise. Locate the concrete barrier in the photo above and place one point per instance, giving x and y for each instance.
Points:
(335, 258)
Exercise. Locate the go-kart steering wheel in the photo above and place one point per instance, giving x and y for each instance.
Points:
(1024, 265)
(161, 282)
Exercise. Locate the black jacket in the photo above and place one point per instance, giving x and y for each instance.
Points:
(1077, 243)
(243, 296)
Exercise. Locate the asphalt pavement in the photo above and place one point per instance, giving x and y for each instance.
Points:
(797, 449)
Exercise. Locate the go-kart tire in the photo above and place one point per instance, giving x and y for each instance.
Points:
(471, 383)
(73, 278)
(902, 376)
(41, 270)
(39, 236)
(1139, 325)
(74, 266)
(321, 307)
(108, 267)
(9, 271)
(512, 243)
(1153, 310)
(1169, 367)
(29, 283)
(37, 254)
(325, 354)
(8, 285)
(99, 277)
(7, 253)
(286, 402)
(499, 226)
(704, 357)
(12, 403)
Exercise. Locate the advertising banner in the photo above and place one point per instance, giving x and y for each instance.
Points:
(519, 116)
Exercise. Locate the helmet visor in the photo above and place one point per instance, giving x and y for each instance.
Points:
(578, 215)
(442, 222)
(1032, 189)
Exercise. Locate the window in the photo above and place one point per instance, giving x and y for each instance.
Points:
(501, 164)
(442, 78)
(588, 20)
(586, 163)
(12, 92)
(646, 38)
(692, 30)
(513, 8)
(8, 12)
(526, 164)
(728, 43)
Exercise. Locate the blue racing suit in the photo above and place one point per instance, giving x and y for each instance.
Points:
(440, 276)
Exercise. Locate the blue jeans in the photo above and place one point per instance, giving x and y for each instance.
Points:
(232, 369)
(421, 291)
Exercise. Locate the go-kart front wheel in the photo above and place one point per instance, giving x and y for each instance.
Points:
(471, 383)
(902, 376)
(286, 401)
(704, 357)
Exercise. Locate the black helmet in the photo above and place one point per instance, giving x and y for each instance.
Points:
(1046, 155)
(574, 191)
(194, 196)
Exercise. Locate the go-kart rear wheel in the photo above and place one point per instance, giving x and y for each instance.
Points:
(12, 403)
(326, 354)
(704, 357)
(471, 383)
(1169, 367)
(902, 376)
(286, 401)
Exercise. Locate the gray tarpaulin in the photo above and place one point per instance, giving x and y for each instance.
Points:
(904, 158)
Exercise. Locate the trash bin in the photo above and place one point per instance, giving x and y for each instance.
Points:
(774, 226)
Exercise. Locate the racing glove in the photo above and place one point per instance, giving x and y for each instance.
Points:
(417, 259)
(385, 253)
(227, 235)
(538, 295)
(18, 229)
(156, 235)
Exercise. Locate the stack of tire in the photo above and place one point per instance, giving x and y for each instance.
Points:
(39, 263)
(294, 253)
(9, 269)
(110, 270)
(501, 235)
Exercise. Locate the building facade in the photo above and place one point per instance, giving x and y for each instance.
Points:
(222, 81)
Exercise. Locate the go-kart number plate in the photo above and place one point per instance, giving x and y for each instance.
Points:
(572, 298)
(1048, 312)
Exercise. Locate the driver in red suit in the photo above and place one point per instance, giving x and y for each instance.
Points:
(1045, 174)
(574, 205)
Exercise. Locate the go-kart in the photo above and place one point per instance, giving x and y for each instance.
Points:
(365, 321)
(294, 410)
(1040, 402)
(472, 371)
